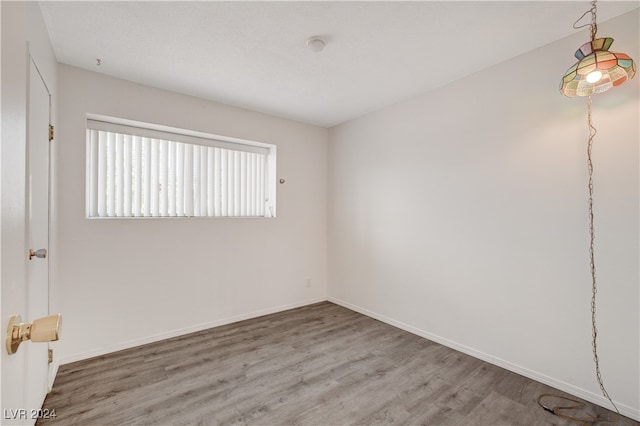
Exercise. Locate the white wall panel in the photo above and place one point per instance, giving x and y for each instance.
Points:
(129, 281)
(462, 215)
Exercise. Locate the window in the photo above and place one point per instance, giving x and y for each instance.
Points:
(146, 170)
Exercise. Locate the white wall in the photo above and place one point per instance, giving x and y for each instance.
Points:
(23, 33)
(461, 215)
(125, 282)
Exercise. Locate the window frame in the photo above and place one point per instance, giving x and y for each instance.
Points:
(190, 137)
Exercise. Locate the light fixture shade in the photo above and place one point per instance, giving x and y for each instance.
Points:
(583, 79)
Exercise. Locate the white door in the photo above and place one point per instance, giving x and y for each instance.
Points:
(37, 365)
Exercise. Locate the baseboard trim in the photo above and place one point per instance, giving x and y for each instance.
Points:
(53, 374)
(625, 410)
(186, 330)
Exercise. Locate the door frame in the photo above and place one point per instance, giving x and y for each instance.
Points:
(34, 74)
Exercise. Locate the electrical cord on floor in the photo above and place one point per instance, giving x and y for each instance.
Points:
(556, 410)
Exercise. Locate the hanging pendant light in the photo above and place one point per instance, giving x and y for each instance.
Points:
(597, 69)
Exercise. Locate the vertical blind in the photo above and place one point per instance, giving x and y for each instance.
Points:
(136, 176)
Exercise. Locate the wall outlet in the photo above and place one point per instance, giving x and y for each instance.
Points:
(307, 282)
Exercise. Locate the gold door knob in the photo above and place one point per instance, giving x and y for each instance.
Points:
(45, 329)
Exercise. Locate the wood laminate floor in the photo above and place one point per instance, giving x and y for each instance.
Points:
(317, 365)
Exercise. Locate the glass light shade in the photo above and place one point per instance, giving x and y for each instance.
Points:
(594, 57)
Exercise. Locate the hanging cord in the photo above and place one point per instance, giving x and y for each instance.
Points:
(592, 267)
(593, 24)
(556, 410)
(592, 263)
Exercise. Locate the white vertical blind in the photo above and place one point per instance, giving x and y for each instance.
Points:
(204, 181)
(163, 179)
(154, 181)
(128, 173)
(137, 176)
(217, 182)
(136, 192)
(179, 180)
(145, 203)
(211, 207)
(188, 180)
(171, 179)
(93, 173)
(196, 180)
(111, 174)
(119, 175)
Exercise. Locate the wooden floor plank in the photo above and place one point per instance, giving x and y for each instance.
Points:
(317, 365)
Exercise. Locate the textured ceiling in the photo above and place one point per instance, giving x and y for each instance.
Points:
(253, 54)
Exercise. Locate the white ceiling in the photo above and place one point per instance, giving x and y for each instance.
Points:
(253, 54)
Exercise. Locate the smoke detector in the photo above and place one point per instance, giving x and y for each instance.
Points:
(316, 43)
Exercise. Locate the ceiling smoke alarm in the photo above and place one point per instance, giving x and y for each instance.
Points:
(316, 44)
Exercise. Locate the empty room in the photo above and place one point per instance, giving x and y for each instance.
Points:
(320, 212)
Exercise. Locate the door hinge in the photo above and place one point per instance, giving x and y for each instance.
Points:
(50, 356)
(50, 132)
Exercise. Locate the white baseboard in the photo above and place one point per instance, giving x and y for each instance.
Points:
(53, 373)
(625, 410)
(182, 331)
